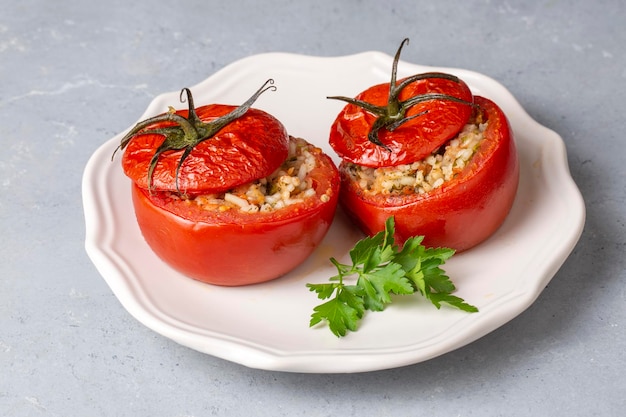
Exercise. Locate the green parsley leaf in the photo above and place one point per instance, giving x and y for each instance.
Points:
(342, 312)
(452, 300)
(379, 270)
(380, 283)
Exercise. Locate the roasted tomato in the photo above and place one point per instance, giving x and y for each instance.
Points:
(401, 122)
(225, 196)
(455, 190)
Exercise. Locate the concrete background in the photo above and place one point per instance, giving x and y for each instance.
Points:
(75, 73)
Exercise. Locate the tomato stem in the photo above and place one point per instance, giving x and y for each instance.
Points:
(186, 133)
(393, 115)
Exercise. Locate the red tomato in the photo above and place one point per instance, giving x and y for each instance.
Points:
(234, 248)
(465, 210)
(414, 139)
(169, 153)
(246, 149)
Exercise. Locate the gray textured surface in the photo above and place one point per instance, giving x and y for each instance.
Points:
(73, 74)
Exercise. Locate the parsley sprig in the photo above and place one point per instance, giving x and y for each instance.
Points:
(381, 269)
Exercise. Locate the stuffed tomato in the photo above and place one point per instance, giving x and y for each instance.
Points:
(426, 151)
(225, 195)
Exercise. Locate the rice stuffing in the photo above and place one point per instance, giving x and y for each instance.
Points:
(289, 184)
(422, 176)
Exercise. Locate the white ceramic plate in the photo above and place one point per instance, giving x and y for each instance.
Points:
(266, 326)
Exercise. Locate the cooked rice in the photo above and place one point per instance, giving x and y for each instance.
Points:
(289, 184)
(425, 175)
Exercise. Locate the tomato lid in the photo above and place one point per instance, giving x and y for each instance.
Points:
(401, 122)
(210, 149)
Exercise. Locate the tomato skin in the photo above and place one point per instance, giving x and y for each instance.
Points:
(233, 248)
(246, 149)
(464, 211)
(413, 140)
